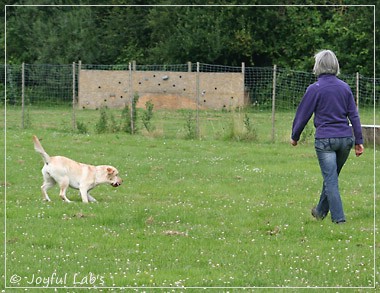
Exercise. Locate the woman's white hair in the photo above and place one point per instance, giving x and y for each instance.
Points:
(326, 63)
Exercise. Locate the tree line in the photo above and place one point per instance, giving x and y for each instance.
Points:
(259, 35)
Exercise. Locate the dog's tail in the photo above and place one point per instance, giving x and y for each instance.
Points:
(39, 149)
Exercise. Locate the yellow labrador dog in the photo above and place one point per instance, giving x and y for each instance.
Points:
(67, 172)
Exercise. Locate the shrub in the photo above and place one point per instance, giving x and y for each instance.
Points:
(102, 125)
(250, 134)
(307, 134)
(147, 116)
(190, 127)
(113, 125)
(81, 128)
(239, 132)
(129, 124)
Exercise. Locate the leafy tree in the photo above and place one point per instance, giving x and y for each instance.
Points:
(51, 34)
(288, 36)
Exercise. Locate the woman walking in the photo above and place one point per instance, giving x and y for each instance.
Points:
(332, 103)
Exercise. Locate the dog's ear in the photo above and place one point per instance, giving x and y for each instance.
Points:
(110, 170)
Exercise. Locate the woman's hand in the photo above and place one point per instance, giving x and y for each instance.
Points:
(359, 149)
(293, 142)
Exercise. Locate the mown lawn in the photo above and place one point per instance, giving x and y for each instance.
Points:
(214, 212)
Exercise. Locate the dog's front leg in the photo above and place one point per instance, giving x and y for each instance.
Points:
(83, 194)
(90, 198)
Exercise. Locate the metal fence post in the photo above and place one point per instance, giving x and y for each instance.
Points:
(131, 95)
(23, 95)
(357, 90)
(74, 99)
(197, 108)
(274, 102)
(242, 103)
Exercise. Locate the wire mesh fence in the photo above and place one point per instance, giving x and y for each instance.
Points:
(271, 97)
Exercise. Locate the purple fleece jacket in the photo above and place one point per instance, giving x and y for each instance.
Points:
(332, 102)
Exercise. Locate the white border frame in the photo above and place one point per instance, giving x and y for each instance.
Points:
(174, 288)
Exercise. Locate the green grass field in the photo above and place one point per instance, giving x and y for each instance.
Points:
(213, 212)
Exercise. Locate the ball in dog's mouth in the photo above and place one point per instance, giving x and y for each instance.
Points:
(115, 184)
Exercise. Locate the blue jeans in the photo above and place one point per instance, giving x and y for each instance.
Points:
(332, 153)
